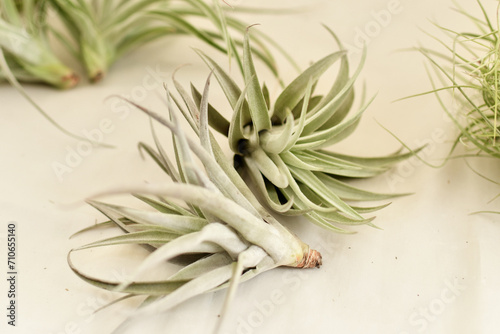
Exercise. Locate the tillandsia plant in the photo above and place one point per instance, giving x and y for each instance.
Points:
(471, 73)
(24, 42)
(25, 53)
(105, 30)
(101, 32)
(235, 237)
(282, 145)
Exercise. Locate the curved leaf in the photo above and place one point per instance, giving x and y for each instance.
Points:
(297, 89)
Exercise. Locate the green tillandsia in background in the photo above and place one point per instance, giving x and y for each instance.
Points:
(471, 73)
(8, 74)
(105, 30)
(467, 70)
(234, 236)
(26, 55)
(283, 145)
(24, 39)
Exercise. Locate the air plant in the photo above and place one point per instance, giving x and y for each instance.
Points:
(105, 30)
(234, 236)
(282, 145)
(98, 33)
(471, 74)
(24, 57)
(24, 42)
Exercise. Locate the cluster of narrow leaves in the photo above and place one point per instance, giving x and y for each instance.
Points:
(234, 236)
(105, 30)
(283, 145)
(98, 33)
(24, 42)
(26, 55)
(471, 73)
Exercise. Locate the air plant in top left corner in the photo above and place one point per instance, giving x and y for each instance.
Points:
(26, 54)
(24, 41)
(104, 31)
(97, 33)
(234, 236)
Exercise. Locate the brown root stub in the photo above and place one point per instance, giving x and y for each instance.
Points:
(311, 259)
(70, 80)
(97, 77)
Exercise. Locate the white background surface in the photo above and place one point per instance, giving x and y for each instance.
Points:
(433, 268)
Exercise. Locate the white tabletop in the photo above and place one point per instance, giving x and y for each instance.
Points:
(431, 268)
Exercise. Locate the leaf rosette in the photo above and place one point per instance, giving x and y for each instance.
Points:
(283, 145)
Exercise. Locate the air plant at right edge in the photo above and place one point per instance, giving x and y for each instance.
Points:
(24, 40)
(469, 70)
(472, 75)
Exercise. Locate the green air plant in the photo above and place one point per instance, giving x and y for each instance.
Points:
(24, 42)
(234, 236)
(471, 73)
(25, 54)
(105, 30)
(282, 145)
